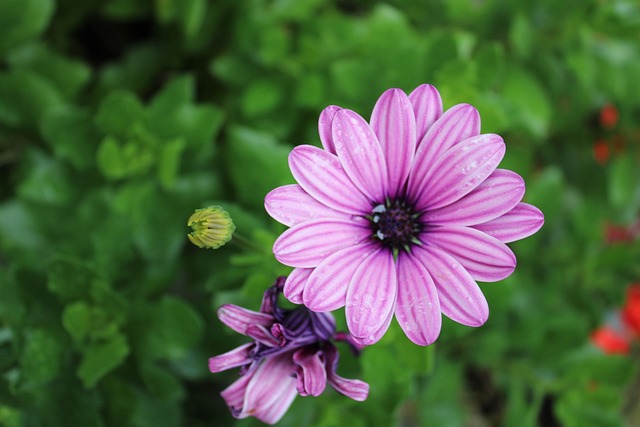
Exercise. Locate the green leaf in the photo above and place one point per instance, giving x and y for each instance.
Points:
(100, 358)
(21, 20)
(41, 358)
(25, 98)
(166, 330)
(174, 95)
(261, 97)
(19, 227)
(47, 181)
(77, 320)
(69, 76)
(161, 383)
(624, 185)
(71, 135)
(177, 327)
(118, 113)
(521, 35)
(527, 97)
(192, 17)
(169, 161)
(597, 406)
(109, 159)
(257, 165)
(12, 311)
(127, 9)
(70, 278)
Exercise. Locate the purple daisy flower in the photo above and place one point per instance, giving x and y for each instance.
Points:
(292, 354)
(401, 215)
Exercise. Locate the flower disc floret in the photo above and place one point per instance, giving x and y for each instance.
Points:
(395, 225)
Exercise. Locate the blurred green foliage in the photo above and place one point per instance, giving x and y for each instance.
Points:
(118, 118)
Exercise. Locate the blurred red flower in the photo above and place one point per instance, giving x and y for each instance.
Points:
(608, 116)
(618, 334)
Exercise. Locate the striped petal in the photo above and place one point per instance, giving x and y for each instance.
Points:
(486, 258)
(231, 359)
(326, 289)
(427, 107)
(324, 128)
(308, 244)
(520, 222)
(393, 121)
(311, 374)
(291, 205)
(294, 284)
(239, 319)
(321, 175)
(360, 154)
(495, 196)
(271, 390)
(456, 124)
(371, 297)
(459, 171)
(418, 307)
(461, 299)
(355, 389)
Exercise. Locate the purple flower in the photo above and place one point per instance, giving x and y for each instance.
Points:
(292, 354)
(401, 215)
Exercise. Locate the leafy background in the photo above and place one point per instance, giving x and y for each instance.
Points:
(118, 118)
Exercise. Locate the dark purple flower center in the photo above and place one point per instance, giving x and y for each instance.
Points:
(395, 224)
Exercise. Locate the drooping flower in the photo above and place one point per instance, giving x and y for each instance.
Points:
(400, 216)
(292, 354)
(622, 328)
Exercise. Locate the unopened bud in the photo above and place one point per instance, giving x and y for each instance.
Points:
(212, 227)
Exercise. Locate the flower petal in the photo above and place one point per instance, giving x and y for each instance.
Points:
(360, 154)
(234, 395)
(309, 243)
(271, 390)
(326, 289)
(486, 258)
(418, 307)
(461, 299)
(427, 106)
(520, 222)
(377, 334)
(371, 297)
(498, 194)
(321, 175)
(393, 121)
(295, 283)
(355, 389)
(324, 127)
(231, 359)
(291, 205)
(459, 171)
(458, 123)
(239, 319)
(311, 373)
(263, 335)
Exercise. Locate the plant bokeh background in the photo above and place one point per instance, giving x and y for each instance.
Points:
(119, 118)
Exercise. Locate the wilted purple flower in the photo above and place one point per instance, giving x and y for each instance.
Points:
(292, 354)
(401, 216)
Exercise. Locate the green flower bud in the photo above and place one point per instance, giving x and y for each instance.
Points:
(212, 227)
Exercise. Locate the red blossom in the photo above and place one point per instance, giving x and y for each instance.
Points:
(610, 341)
(601, 151)
(608, 116)
(630, 313)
